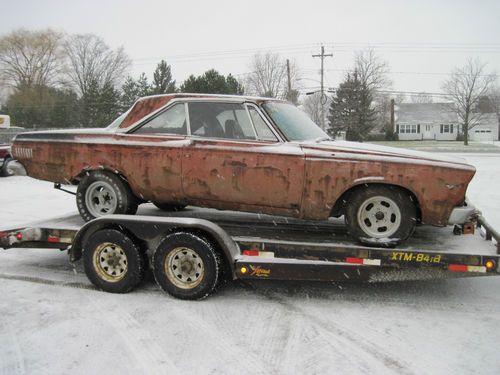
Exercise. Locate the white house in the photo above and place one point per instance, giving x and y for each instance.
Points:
(439, 121)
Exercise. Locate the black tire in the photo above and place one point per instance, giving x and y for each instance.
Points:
(100, 193)
(6, 170)
(169, 206)
(380, 215)
(112, 261)
(186, 266)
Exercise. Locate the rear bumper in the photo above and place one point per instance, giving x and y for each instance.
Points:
(463, 214)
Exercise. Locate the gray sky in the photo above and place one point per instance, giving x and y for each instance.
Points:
(422, 40)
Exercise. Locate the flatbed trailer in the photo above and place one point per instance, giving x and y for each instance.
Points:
(192, 250)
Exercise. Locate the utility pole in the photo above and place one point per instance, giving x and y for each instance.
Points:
(289, 93)
(323, 101)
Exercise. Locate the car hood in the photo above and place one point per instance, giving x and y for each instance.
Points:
(357, 150)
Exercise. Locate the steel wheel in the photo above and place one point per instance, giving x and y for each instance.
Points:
(100, 198)
(110, 262)
(100, 193)
(184, 268)
(113, 261)
(379, 217)
(186, 265)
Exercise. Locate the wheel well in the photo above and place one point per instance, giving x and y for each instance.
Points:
(339, 206)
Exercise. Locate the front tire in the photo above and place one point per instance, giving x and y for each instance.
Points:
(186, 266)
(380, 215)
(113, 262)
(101, 193)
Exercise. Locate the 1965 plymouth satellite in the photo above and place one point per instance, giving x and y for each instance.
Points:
(247, 154)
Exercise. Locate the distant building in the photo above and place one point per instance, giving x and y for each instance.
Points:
(439, 121)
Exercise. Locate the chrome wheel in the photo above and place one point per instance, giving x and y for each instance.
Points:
(100, 199)
(379, 217)
(110, 262)
(184, 268)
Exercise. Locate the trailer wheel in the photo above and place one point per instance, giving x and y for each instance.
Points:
(186, 266)
(101, 193)
(113, 262)
(378, 213)
(169, 206)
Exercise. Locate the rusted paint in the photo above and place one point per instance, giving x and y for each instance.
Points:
(291, 179)
(143, 108)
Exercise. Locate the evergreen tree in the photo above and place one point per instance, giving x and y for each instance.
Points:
(99, 106)
(162, 79)
(41, 106)
(133, 90)
(211, 82)
(351, 110)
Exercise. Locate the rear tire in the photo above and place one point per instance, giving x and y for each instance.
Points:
(380, 215)
(101, 193)
(6, 170)
(113, 262)
(186, 266)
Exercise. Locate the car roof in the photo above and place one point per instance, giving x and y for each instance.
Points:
(148, 104)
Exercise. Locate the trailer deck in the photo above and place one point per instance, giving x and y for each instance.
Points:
(273, 247)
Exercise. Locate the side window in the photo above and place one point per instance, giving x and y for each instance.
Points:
(220, 120)
(171, 121)
(263, 131)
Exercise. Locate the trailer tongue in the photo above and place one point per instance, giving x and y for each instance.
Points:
(191, 251)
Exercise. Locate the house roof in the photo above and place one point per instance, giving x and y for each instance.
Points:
(425, 113)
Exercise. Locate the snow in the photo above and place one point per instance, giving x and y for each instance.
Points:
(52, 321)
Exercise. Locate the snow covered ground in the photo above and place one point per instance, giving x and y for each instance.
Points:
(52, 321)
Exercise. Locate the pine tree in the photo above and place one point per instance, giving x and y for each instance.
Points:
(351, 110)
(211, 82)
(162, 79)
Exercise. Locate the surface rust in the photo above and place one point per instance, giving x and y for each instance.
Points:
(289, 179)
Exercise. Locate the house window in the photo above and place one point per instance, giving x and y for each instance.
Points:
(446, 128)
(408, 129)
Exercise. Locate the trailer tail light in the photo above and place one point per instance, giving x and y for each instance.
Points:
(19, 236)
(257, 253)
(243, 270)
(368, 262)
(465, 268)
(53, 239)
(490, 264)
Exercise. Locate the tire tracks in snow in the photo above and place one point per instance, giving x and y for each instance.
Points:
(12, 361)
(334, 332)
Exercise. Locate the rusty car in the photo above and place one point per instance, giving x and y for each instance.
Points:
(247, 154)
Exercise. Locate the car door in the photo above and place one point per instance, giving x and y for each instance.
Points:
(233, 162)
(151, 153)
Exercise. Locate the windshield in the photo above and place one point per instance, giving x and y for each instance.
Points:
(294, 123)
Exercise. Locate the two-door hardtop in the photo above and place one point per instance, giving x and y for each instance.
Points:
(249, 154)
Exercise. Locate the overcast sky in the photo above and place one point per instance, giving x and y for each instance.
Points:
(421, 40)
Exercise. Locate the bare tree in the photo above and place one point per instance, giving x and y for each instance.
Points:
(372, 70)
(422, 97)
(312, 106)
(268, 76)
(30, 58)
(91, 63)
(466, 86)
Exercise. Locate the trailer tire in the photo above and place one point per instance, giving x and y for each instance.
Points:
(186, 266)
(380, 215)
(100, 193)
(170, 206)
(113, 262)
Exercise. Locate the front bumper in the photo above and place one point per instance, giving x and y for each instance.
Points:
(463, 214)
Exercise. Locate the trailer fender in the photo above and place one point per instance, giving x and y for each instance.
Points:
(150, 228)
